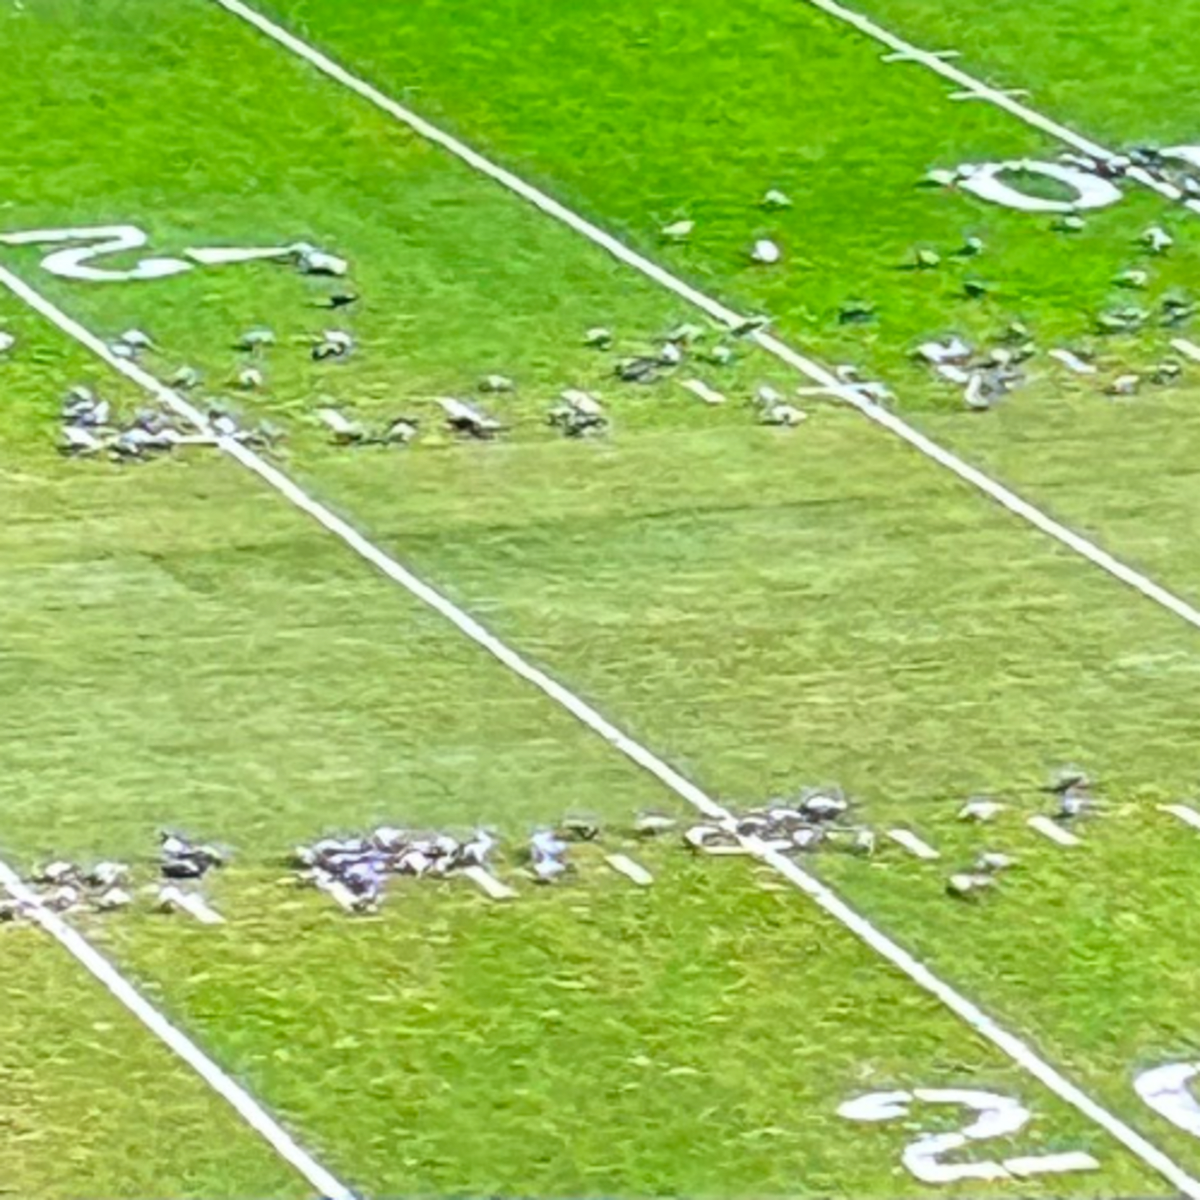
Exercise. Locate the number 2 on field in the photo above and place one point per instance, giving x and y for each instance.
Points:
(98, 240)
(995, 1116)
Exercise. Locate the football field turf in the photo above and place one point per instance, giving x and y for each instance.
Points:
(692, 610)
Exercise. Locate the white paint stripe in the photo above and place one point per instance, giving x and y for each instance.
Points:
(913, 844)
(1185, 813)
(634, 871)
(1001, 97)
(1052, 830)
(1021, 1053)
(1186, 348)
(726, 316)
(233, 1093)
(485, 880)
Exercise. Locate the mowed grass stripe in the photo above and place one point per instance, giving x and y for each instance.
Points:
(91, 1107)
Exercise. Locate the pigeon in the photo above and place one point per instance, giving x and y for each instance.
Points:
(1124, 385)
(722, 356)
(1134, 279)
(1072, 804)
(1157, 239)
(341, 300)
(250, 378)
(389, 839)
(952, 350)
(785, 416)
(823, 806)
(678, 231)
(57, 873)
(939, 177)
(926, 260)
(670, 355)
(400, 432)
(334, 343)
(106, 875)
(686, 334)
(966, 887)
(975, 289)
(856, 312)
(1167, 371)
(465, 418)
(78, 440)
(749, 326)
(580, 829)
(652, 824)
(180, 859)
(312, 261)
(765, 252)
(1071, 223)
(7, 341)
(767, 395)
(185, 378)
(475, 852)
(545, 843)
(62, 899)
(991, 863)
(775, 199)
(971, 248)
(496, 383)
(598, 338)
(256, 339)
(974, 397)
(112, 899)
(1176, 310)
(864, 842)
(579, 414)
(547, 870)
(345, 431)
(981, 809)
(643, 369)
(136, 340)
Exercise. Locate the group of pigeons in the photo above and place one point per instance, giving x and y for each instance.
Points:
(576, 413)
(355, 869)
(89, 427)
(64, 887)
(1075, 799)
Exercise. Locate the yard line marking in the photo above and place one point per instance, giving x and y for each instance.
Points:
(726, 316)
(822, 895)
(1004, 98)
(249, 1109)
(1055, 832)
(1187, 814)
(913, 844)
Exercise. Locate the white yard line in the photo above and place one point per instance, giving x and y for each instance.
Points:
(825, 898)
(1001, 97)
(725, 315)
(249, 1109)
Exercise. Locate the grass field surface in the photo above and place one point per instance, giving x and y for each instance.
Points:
(762, 608)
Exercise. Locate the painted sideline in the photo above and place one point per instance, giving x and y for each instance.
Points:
(992, 95)
(249, 1109)
(895, 425)
(825, 898)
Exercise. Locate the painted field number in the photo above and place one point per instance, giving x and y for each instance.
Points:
(994, 1115)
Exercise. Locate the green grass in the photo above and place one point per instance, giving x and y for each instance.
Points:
(92, 1106)
(764, 610)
